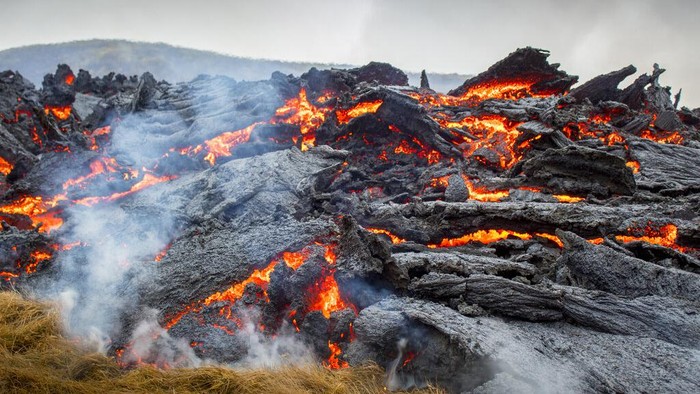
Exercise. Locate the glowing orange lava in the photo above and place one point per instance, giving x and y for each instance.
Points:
(299, 111)
(494, 132)
(502, 90)
(260, 277)
(480, 193)
(490, 236)
(148, 180)
(5, 167)
(476, 193)
(405, 148)
(334, 362)
(92, 135)
(36, 257)
(97, 167)
(665, 236)
(513, 89)
(37, 209)
(567, 199)
(70, 78)
(482, 236)
(162, 253)
(8, 276)
(394, 239)
(61, 113)
(663, 137)
(359, 109)
(634, 165)
(326, 297)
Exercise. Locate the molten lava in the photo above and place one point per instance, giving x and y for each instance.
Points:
(502, 90)
(36, 257)
(296, 111)
(95, 134)
(8, 276)
(260, 277)
(394, 239)
(495, 133)
(97, 167)
(37, 209)
(162, 253)
(61, 113)
(513, 89)
(334, 362)
(490, 236)
(480, 193)
(5, 167)
(326, 296)
(476, 193)
(665, 235)
(148, 180)
(634, 165)
(299, 111)
(368, 107)
(663, 137)
(567, 199)
(222, 144)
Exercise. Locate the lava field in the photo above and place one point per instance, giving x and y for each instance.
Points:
(519, 233)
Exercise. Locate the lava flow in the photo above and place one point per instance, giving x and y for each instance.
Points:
(148, 180)
(296, 111)
(359, 109)
(61, 113)
(97, 167)
(37, 209)
(490, 236)
(323, 296)
(503, 90)
(495, 133)
(665, 235)
(299, 111)
(514, 89)
(394, 239)
(5, 167)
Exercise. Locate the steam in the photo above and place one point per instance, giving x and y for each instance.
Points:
(92, 280)
(151, 342)
(119, 241)
(396, 381)
(95, 283)
(267, 352)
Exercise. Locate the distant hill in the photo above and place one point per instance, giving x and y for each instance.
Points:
(173, 64)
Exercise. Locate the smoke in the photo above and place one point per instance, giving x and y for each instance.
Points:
(118, 242)
(519, 365)
(149, 341)
(396, 381)
(284, 348)
(92, 279)
(98, 282)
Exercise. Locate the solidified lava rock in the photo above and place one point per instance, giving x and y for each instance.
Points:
(525, 63)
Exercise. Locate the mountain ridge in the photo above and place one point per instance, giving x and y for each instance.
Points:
(167, 62)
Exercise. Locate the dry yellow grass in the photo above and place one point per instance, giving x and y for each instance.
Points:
(36, 358)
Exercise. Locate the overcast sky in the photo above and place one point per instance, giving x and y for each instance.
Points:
(586, 37)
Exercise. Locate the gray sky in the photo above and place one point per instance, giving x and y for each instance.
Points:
(586, 37)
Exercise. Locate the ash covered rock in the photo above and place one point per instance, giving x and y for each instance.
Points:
(557, 357)
(525, 63)
(579, 170)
